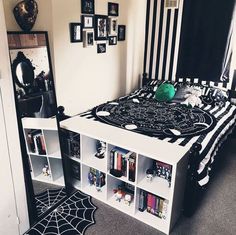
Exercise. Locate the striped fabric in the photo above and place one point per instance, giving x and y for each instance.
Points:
(163, 29)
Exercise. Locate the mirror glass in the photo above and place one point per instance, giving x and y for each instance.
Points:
(38, 126)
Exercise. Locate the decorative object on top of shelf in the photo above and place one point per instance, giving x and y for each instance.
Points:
(101, 27)
(112, 26)
(121, 32)
(76, 34)
(88, 38)
(87, 6)
(112, 40)
(25, 13)
(101, 149)
(101, 48)
(113, 9)
(87, 21)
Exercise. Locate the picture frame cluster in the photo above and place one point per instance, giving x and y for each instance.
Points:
(97, 28)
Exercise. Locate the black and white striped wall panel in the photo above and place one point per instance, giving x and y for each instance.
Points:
(163, 29)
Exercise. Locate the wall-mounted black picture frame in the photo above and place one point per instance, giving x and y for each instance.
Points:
(87, 6)
(88, 38)
(76, 34)
(87, 21)
(113, 9)
(101, 27)
(112, 40)
(121, 32)
(101, 48)
(112, 26)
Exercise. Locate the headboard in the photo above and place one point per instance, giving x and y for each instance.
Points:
(162, 41)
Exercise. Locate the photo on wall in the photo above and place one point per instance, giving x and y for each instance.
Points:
(87, 6)
(76, 32)
(87, 21)
(88, 38)
(101, 27)
(121, 32)
(112, 40)
(113, 9)
(113, 26)
(101, 48)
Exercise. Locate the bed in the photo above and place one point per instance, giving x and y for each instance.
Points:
(201, 129)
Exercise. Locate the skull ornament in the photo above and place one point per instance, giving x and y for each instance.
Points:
(25, 13)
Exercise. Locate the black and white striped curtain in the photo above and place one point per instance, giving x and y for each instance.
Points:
(164, 43)
(206, 35)
(162, 39)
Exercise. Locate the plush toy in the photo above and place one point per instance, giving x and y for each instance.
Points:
(165, 92)
(193, 97)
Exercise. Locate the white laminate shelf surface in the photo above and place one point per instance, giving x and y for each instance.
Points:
(145, 145)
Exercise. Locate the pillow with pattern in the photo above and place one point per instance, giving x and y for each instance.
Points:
(214, 96)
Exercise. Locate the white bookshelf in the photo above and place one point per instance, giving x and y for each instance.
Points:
(146, 150)
(52, 157)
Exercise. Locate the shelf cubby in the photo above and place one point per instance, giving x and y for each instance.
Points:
(88, 151)
(91, 189)
(148, 217)
(38, 163)
(157, 185)
(113, 184)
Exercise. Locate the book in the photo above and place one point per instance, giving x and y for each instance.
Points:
(164, 209)
(43, 144)
(132, 167)
(112, 153)
(142, 201)
(119, 161)
(153, 205)
(149, 202)
(156, 210)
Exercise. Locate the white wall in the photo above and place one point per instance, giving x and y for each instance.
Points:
(84, 78)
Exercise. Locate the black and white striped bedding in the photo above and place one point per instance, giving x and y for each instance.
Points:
(210, 141)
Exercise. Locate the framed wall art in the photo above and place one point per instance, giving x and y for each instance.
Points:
(87, 6)
(101, 27)
(113, 9)
(76, 32)
(113, 26)
(88, 38)
(101, 48)
(121, 32)
(112, 40)
(87, 21)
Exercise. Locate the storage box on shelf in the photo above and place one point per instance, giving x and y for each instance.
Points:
(42, 144)
(132, 165)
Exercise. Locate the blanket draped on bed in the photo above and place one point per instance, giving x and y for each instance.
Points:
(149, 117)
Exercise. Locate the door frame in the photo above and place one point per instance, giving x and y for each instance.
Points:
(12, 135)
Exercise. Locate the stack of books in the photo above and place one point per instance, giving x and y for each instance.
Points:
(124, 162)
(73, 144)
(153, 204)
(36, 142)
(75, 170)
(97, 178)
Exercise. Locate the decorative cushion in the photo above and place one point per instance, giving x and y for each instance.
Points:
(181, 93)
(165, 92)
(214, 96)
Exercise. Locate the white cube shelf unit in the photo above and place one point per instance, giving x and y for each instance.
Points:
(146, 150)
(45, 153)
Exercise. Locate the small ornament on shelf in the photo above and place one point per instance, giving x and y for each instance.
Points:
(101, 149)
(96, 178)
(46, 171)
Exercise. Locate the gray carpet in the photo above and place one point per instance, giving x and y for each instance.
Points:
(215, 216)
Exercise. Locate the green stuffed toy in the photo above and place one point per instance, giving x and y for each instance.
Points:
(165, 92)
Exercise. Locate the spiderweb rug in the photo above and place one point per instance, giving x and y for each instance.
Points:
(72, 217)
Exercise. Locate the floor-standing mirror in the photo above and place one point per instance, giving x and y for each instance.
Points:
(36, 109)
